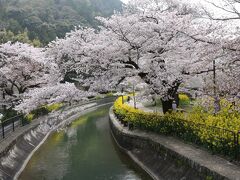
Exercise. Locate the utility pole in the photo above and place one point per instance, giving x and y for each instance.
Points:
(216, 99)
(122, 95)
(214, 79)
(134, 97)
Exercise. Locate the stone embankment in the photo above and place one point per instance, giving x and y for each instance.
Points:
(164, 157)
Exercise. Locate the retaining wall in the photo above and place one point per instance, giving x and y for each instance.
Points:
(169, 158)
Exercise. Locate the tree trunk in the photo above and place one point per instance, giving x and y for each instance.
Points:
(167, 105)
(3, 96)
(172, 95)
(176, 98)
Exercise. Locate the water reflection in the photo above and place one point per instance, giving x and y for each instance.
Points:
(85, 151)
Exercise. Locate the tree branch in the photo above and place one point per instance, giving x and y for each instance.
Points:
(207, 41)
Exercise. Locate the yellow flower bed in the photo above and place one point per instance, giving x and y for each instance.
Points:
(215, 132)
(183, 97)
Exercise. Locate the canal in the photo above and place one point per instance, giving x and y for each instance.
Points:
(85, 151)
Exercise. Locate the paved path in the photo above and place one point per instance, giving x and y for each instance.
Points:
(140, 105)
(13, 136)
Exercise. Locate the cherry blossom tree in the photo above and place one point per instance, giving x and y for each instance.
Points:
(30, 79)
(222, 10)
(139, 43)
(51, 94)
(217, 49)
(162, 42)
(24, 67)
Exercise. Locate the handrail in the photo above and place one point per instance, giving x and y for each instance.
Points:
(6, 120)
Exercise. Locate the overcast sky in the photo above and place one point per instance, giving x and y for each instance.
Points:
(188, 1)
(125, 1)
(203, 3)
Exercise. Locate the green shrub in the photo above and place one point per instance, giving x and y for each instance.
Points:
(29, 117)
(110, 94)
(8, 114)
(43, 110)
(97, 97)
(184, 100)
(53, 107)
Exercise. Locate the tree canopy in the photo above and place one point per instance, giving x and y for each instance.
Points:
(161, 43)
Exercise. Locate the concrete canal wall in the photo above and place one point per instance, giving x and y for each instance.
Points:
(169, 158)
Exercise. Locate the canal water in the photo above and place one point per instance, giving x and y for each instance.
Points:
(84, 151)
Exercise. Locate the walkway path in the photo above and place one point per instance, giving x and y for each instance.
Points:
(12, 138)
(141, 106)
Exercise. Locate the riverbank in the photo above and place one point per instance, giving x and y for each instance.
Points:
(17, 149)
(84, 150)
(168, 158)
(67, 121)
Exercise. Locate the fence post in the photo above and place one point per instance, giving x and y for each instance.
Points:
(237, 146)
(3, 135)
(235, 139)
(21, 117)
(13, 124)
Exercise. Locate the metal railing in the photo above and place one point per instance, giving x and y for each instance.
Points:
(227, 139)
(218, 140)
(9, 125)
(98, 101)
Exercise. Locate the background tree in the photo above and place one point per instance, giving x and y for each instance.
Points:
(48, 19)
